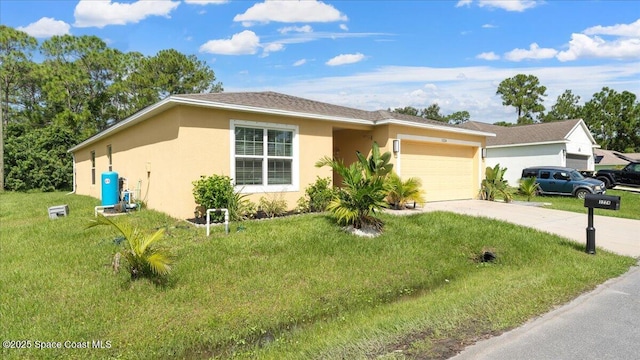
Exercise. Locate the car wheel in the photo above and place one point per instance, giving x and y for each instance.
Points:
(581, 193)
(607, 183)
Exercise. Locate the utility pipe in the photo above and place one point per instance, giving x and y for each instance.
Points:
(226, 219)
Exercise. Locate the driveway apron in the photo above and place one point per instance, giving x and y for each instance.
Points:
(621, 236)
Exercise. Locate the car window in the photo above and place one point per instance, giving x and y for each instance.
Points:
(545, 174)
(576, 176)
(528, 173)
(561, 175)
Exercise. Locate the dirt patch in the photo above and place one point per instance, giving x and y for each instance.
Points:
(424, 346)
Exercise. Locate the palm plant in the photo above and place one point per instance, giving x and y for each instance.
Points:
(363, 192)
(529, 187)
(401, 192)
(145, 258)
(494, 184)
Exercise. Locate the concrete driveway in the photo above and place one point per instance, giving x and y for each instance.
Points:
(601, 324)
(617, 235)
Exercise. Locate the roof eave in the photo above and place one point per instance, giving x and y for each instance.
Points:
(269, 111)
(528, 144)
(434, 127)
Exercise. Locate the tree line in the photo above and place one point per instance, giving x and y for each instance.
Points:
(65, 89)
(612, 117)
(58, 92)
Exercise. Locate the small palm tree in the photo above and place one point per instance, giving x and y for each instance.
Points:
(401, 192)
(144, 257)
(529, 187)
(494, 184)
(363, 192)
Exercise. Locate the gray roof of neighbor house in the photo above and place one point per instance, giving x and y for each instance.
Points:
(608, 157)
(551, 132)
(269, 102)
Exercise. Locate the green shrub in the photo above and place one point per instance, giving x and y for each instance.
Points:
(273, 206)
(144, 257)
(363, 193)
(529, 187)
(400, 192)
(494, 184)
(214, 192)
(318, 196)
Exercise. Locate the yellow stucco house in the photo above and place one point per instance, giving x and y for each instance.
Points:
(268, 143)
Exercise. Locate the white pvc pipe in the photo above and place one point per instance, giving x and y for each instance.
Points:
(226, 219)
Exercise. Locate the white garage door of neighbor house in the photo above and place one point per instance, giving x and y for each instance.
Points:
(579, 162)
(446, 170)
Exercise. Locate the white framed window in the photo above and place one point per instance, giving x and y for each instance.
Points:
(264, 156)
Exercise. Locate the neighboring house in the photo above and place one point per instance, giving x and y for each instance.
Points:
(607, 159)
(561, 143)
(269, 143)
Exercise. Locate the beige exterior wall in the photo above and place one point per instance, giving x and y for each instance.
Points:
(166, 153)
(161, 156)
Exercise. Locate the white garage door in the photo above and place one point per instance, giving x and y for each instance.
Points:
(580, 162)
(446, 170)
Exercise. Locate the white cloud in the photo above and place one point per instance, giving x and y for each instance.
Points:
(534, 52)
(344, 59)
(300, 62)
(271, 47)
(490, 56)
(290, 12)
(630, 30)
(206, 2)
(583, 46)
(489, 26)
(100, 13)
(298, 29)
(391, 87)
(508, 5)
(46, 27)
(344, 27)
(243, 43)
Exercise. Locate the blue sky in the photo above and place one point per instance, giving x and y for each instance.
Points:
(371, 54)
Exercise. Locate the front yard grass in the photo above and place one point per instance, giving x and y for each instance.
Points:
(289, 288)
(629, 204)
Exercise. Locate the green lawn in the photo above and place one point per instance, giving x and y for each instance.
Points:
(289, 288)
(629, 204)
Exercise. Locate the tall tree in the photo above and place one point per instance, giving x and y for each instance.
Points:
(458, 117)
(170, 72)
(525, 93)
(615, 119)
(433, 113)
(16, 48)
(566, 107)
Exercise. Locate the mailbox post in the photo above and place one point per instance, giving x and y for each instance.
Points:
(594, 201)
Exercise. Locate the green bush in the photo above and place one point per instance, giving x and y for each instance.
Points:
(273, 206)
(144, 257)
(214, 192)
(363, 190)
(401, 192)
(529, 187)
(494, 184)
(37, 159)
(318, 196)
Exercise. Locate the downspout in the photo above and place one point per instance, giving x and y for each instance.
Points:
(73, 184)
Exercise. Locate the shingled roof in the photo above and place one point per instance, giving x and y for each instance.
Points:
(269, 100)
(556, 131)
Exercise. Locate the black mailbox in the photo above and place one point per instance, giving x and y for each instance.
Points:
(593, 201)
(602, 201)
